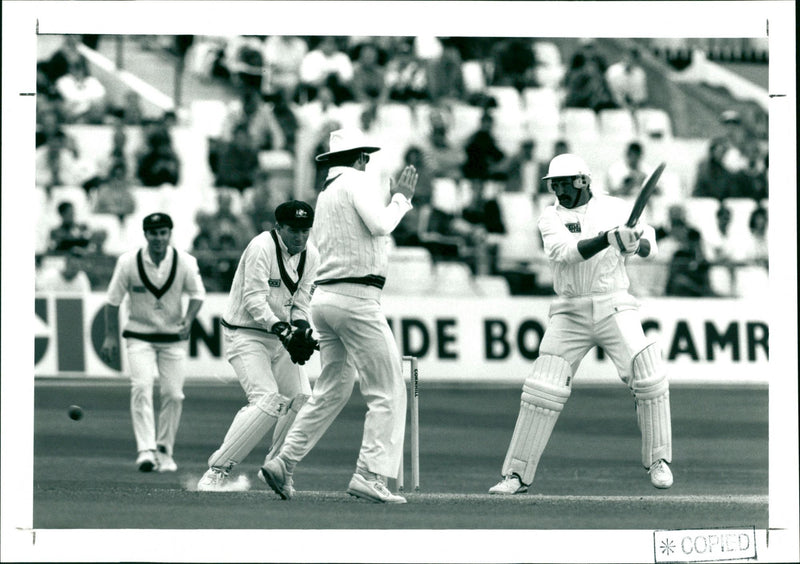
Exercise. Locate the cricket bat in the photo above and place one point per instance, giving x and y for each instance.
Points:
(644, 195)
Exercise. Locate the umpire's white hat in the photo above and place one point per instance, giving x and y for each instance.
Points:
(348, 140)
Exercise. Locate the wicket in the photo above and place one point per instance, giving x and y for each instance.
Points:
(414, 408)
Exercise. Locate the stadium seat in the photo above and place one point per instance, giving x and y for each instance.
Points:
(720, 279)
(410, 271)
(741, 208)
(522, 242)
(491, 286)
(350, 114)
(507, 97)
(466, 120)
(474, 79)
(395, 119)
(654, 122)
(617, 123)
(450, 196)
(452, 279)
(208, 117)
(579, 123)
(550, 68)
(702, 213)
(115, 242)
(752, 282)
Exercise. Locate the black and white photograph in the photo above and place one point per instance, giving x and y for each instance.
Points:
(373, 281)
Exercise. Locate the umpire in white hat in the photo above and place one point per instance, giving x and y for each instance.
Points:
(354, 222)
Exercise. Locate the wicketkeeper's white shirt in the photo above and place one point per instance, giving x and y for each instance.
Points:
(562, 228)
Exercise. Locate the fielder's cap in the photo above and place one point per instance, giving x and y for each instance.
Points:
(295, 213)
(156, 220)
(346, 140)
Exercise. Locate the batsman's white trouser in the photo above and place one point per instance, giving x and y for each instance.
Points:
(146, 360)
(354, 339)
(270, 381)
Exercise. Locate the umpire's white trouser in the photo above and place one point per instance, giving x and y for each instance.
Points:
(354, 339)
(146, 360)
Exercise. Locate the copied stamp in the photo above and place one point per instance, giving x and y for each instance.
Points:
(704, 545)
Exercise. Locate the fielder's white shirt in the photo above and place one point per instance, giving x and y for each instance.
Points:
(353, 223)
(149, 314)
(259, 296)
(561, 230)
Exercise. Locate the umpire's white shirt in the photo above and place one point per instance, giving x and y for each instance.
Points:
(562, 228)
(353, 223)
(149, 314)
(259, 295)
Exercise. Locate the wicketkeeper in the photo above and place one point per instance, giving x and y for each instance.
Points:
(268, 337)
(588, 244)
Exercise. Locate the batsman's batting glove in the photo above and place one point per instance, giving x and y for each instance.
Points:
(301, 345)
(301, 324)
(624, 239)
(283, 330)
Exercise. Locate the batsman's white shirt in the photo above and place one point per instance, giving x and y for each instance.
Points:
(593, 306)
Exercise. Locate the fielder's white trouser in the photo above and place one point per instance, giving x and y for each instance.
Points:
(355, 339)
(146, 360)
(272, 384)
(576, 325)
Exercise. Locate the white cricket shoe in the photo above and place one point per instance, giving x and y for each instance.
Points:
(372, 490)
(277, 477)
(213, 480)
(660, 474)
(509, 485)
(146, 461)
(164, 462)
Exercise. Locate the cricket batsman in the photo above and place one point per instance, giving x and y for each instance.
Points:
(268, 338)
(588, 244)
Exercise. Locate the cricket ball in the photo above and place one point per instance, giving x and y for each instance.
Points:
(75, 412)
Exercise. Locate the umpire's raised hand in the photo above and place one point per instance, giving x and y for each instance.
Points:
(406, 182)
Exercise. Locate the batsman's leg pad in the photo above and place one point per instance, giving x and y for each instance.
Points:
(651, 391)
(248, 428)
(544, 394)
(284, 423)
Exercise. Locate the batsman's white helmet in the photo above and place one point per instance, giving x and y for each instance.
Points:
(567, 164)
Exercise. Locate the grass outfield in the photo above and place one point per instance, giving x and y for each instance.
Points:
(590, 476)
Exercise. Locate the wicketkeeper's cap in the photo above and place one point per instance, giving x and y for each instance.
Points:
(295, 213)
(156, 220)
(346, 140)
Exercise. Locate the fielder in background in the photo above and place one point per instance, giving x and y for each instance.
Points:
(268, 337)
(587, 243)
(154, 278)
(354, 221)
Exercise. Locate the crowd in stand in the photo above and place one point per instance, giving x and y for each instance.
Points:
(276, 76)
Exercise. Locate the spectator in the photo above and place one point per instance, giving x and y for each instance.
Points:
(585, 85)
(58, 163)
(244, 60)
(524, 171)
(117, 155)
(756, 249)
(284, 113)
(443, 159)
(71, 278)
(49, 123)
(326, 65)
(683, 245)
(736, 137)
(483, 213)
(159, 163)
(114, 195)
(83, 96)
(238, 161)
(61, 61)
(514, 63)
(483, 155)
(250, 110)
(752, 180)
(69, 233)
(627, 81)
(445, 77)
(228, 230)
(406, 77)
(262, 199)
(713, 180)
(406, 234)
(283, 55)
(131, 111)
(720, 245)
(368, 76)
(625, 177)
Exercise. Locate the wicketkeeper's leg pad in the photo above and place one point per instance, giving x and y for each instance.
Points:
(248, 428)
(284, 424)
(544, 394)
(651, 391)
